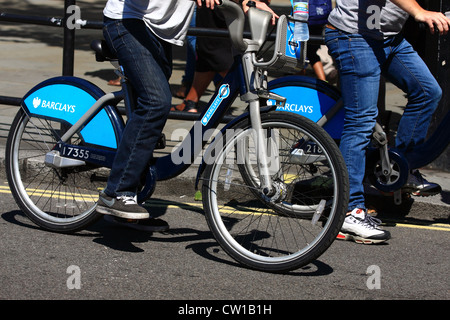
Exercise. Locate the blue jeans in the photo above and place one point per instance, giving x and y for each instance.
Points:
(147, 63)
(360, 61)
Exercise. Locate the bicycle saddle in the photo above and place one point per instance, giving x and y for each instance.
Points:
(102, 52)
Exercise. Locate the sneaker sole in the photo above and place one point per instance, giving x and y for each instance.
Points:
(425, 193)
(422, 193)
(134, 225)
(357, 239)
(122, 214)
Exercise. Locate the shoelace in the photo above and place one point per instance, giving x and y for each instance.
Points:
(371, 221)
(127, 200)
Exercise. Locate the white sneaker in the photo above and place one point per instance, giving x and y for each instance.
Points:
(362, 228)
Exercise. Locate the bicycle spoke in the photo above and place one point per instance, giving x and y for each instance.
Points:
(52, 197)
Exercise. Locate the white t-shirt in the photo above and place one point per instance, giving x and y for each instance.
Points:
(168, 19)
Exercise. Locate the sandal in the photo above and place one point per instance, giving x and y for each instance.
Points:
(115, 82)
(182, 91)
(187, 106)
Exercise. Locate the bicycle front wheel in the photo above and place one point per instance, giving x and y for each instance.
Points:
(299, 220)
(57, 199)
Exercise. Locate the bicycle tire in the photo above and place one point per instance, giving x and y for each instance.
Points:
(286, 233)
(61, 200)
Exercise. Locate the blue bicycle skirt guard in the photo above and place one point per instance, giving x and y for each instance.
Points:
(65, 100)
(310, 98)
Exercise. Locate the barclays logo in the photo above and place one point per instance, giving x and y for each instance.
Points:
(224, 92)
(57, 106)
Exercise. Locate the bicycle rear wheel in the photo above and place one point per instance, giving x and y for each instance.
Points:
(298, 222)
(57, 199)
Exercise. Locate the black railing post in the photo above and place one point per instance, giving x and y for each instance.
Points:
(69, 41)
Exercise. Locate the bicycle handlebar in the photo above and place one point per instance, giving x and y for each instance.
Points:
(235, 20)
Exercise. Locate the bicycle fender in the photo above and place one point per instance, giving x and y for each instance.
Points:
(66, 99)
(310, 98)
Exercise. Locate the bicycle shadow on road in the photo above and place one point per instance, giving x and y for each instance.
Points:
(124, 239)
(199, 240)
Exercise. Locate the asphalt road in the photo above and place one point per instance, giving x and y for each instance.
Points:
(185, 263)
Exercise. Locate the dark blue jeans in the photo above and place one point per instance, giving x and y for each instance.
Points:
(360, 61)
(147, 63)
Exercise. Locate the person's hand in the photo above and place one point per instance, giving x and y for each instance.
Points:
(262, 5)
(434, 20)
(208, 3)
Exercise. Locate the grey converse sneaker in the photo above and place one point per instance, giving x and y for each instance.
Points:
(122, 207)
(417, 185)
(362, 228)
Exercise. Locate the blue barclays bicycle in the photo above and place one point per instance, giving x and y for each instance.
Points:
(274, 184)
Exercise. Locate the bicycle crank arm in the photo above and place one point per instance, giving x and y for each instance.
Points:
(380, 137)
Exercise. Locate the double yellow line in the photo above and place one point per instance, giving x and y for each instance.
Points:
(186, 205)
(432, 226)
(54, 193)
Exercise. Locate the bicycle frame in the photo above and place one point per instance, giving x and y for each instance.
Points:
(99, 150)
(86, 103)
(232, 85)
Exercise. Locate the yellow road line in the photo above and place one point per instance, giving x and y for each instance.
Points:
(56, 194)
(224, 209)
(433, 226)
(227, 209)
